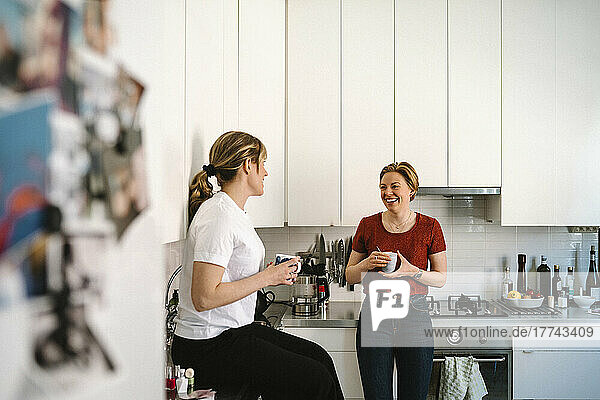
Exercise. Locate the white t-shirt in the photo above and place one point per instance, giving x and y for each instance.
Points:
(221, 233)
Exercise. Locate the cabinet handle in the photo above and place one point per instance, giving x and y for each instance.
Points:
(496, 359)
(527, 351)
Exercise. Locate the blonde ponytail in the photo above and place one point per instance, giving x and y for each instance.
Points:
(200, 190)
(227, 155)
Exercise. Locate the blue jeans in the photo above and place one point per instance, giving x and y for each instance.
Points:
(400, 341)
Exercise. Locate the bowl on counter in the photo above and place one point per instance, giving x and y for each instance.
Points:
(524, 303)
(584, 301)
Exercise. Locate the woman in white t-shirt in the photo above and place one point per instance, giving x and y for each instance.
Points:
(221, 275)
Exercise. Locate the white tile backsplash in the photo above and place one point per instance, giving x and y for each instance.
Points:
(477, 250)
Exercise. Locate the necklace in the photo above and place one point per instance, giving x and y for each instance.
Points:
(397, 227)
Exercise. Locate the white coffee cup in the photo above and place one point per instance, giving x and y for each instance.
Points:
(391, 265)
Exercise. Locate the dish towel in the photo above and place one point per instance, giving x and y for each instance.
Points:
(461, 379)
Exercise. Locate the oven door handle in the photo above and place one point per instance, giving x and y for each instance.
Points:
(495, 359)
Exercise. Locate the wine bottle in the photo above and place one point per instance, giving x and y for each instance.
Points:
(544, 279)
(521, 274)
(570, 282)
(556, 283)
(592, 282)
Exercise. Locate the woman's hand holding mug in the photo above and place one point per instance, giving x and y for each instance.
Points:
(377, 259)
(284, 273)
(406, 268)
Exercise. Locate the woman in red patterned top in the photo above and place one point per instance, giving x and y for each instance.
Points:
(418, 240)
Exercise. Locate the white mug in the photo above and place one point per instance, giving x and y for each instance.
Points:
(391, 265)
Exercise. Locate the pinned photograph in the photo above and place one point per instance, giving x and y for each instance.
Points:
(24, 151)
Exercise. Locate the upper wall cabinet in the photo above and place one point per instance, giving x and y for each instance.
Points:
(474, 93)
(528, 112)
(421, 87)
(550, 118)
(448, 91)
(367, 104)
(577, 112)
(313, 123)
(262, 99)
(235, 80)
(203, 81)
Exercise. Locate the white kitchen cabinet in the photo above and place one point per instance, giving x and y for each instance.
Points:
(203, 82)
(474, 93)
(231, 70)
(577, 112)
(555, 374)
(235, 80)
(367, 104)
(262, 99)
(529, 144)
(313, 111)
(550, 113)
(340, 344)
(346, 366)
(421, 88)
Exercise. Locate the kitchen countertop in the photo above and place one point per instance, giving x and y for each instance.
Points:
(336, 314)
(345, 315)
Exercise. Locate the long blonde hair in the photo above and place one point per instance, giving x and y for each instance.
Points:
(227, 155)
(407, 171)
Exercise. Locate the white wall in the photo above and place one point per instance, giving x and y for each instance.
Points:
(150, 41)
(128, 318)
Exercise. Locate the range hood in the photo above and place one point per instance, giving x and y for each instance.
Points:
(458, 191)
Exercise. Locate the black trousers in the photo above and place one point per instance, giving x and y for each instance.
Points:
(262, 361)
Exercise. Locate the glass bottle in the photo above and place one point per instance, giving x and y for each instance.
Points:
(507, 283)
(592, 282)
(544, 280)
(556, 283)
(521, 274)
(570, 282)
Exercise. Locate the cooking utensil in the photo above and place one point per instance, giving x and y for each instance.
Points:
(348, 252)
(334, 264)
(341, 262)
(322, 256)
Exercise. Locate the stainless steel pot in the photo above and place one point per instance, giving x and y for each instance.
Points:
(305, 300)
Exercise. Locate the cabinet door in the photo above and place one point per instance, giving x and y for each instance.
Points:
(367, 103)
(340, 344)
(528, 112)
(555, 374)
(331, 339)
(420, 89)
(262, 98)
(577, 109)
(231, 76)
(346, 366)
(203, 82)
(313, 124)
(474, 93)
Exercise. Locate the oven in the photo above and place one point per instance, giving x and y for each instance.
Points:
(470, 326)
(495, 366)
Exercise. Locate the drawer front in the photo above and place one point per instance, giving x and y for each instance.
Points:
(331, 339)
(555, 374)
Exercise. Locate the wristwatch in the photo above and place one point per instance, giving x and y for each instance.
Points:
(418, 275)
